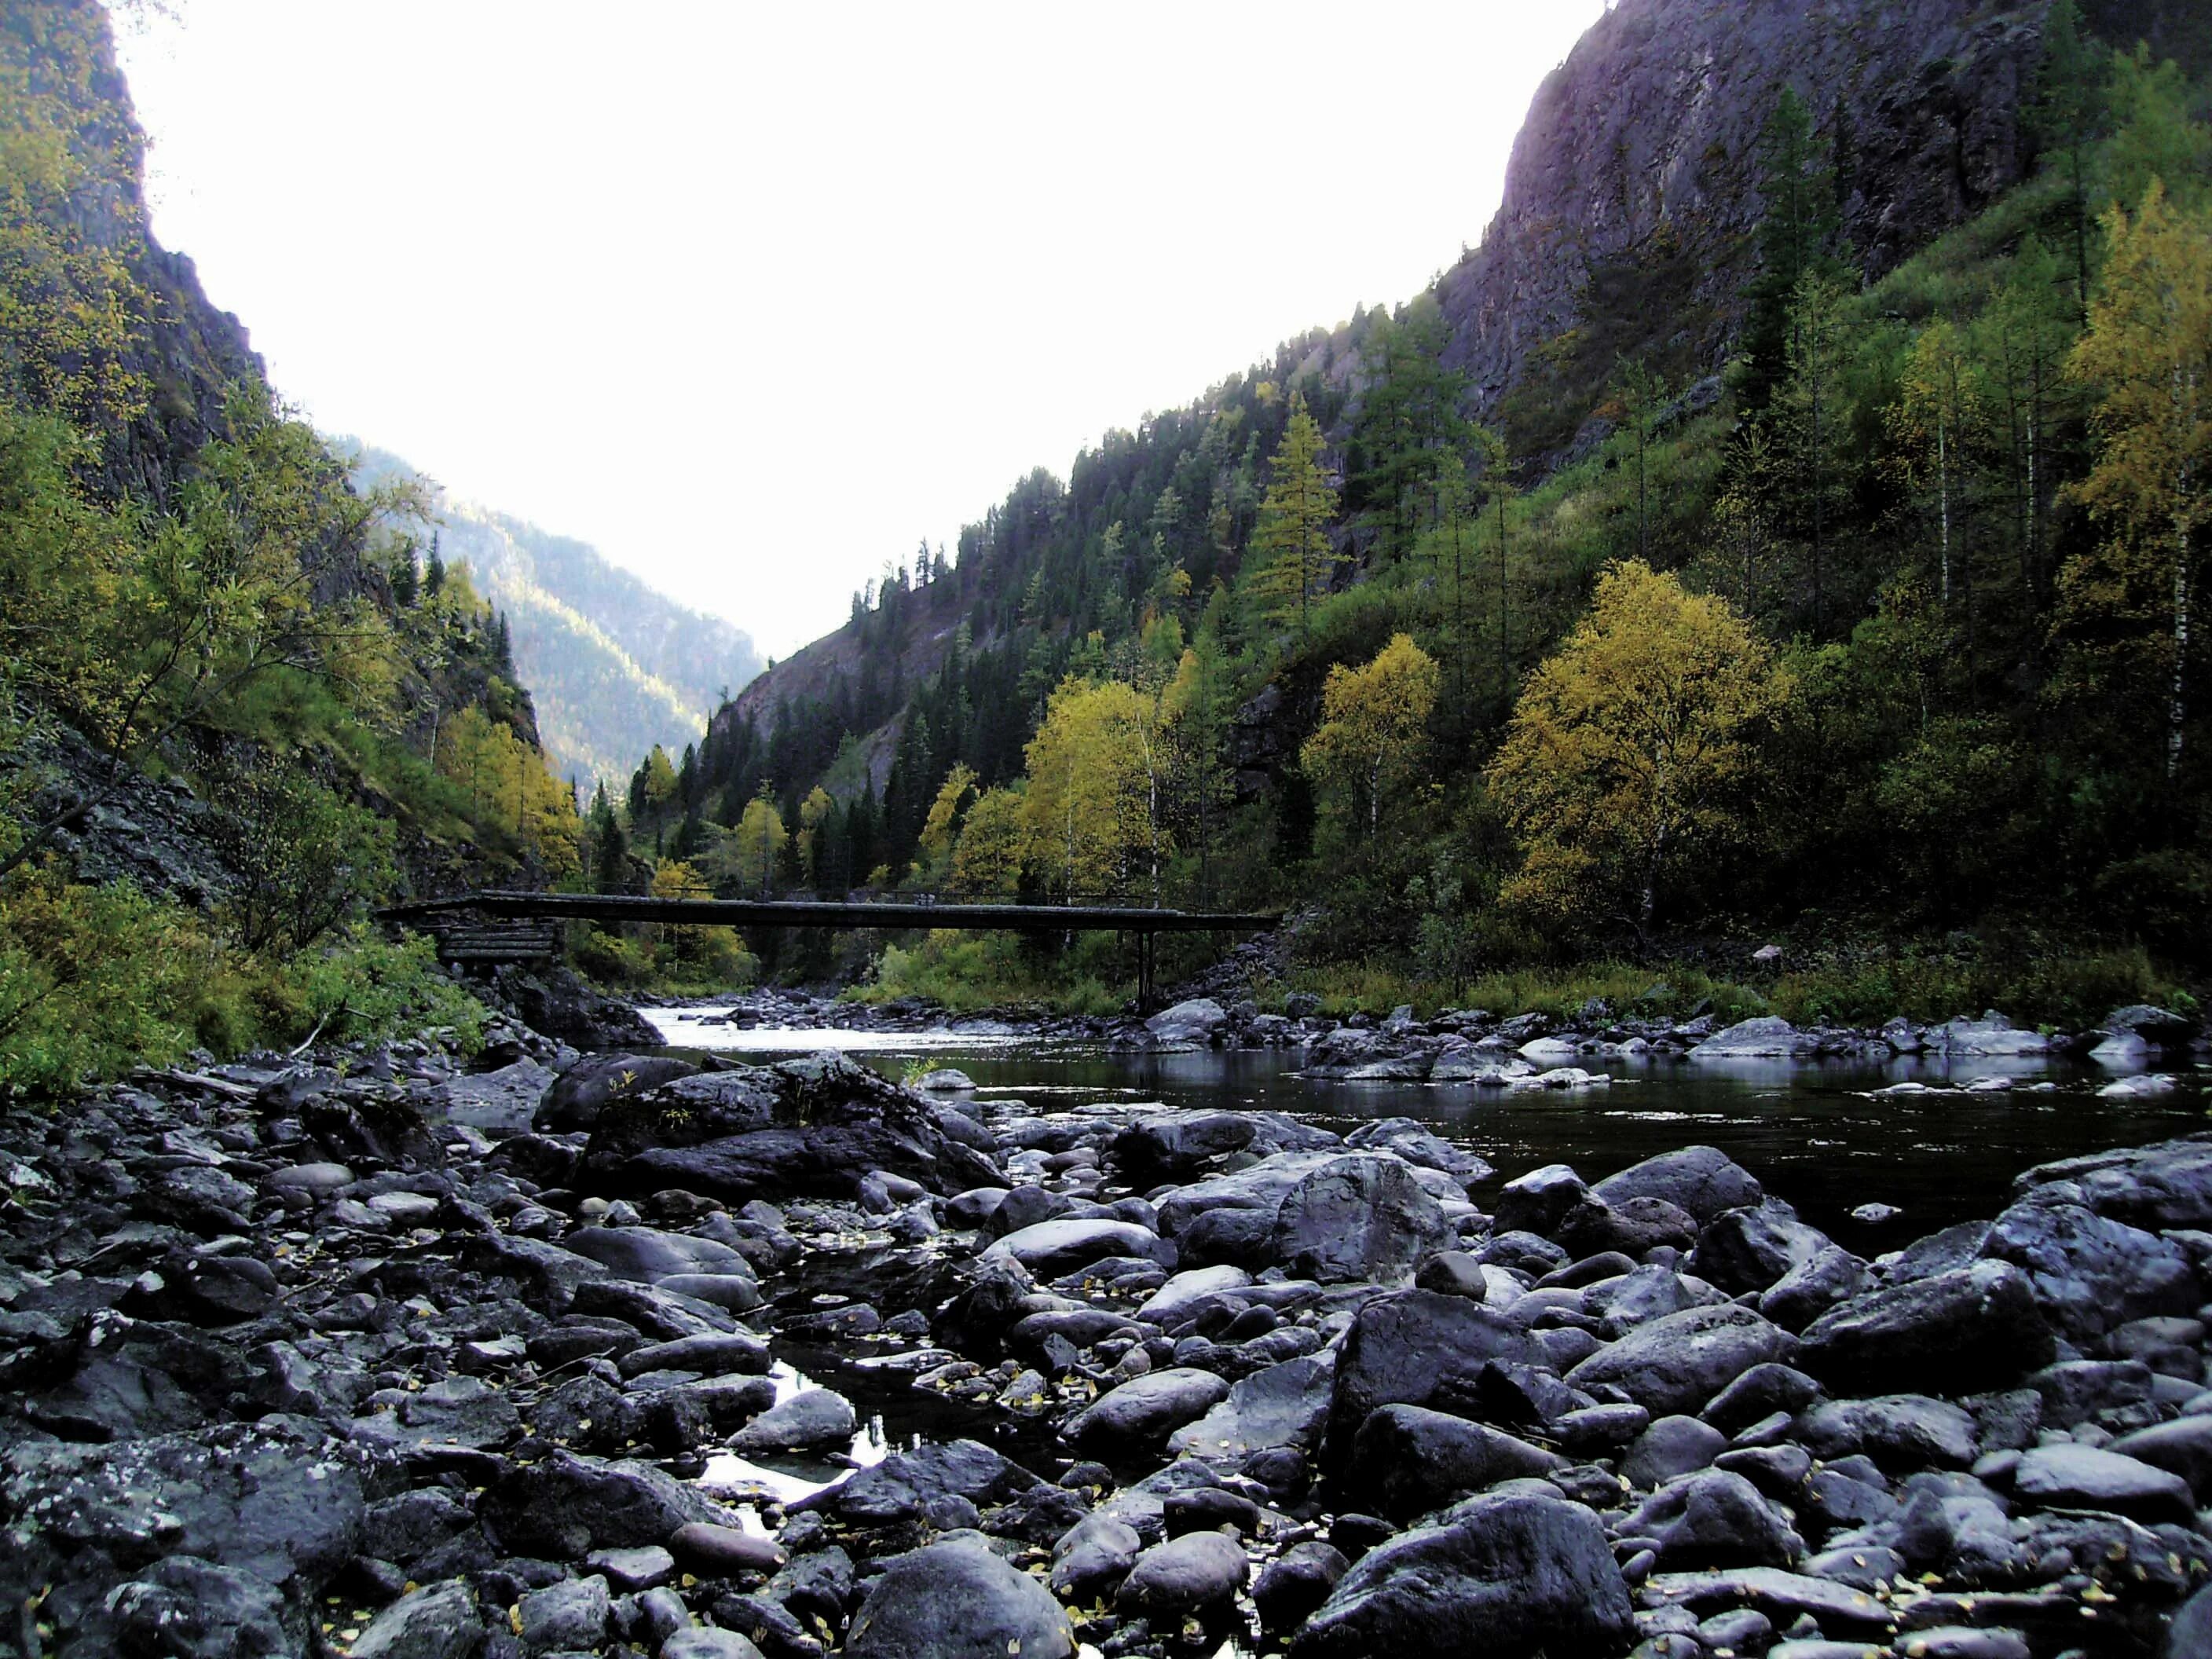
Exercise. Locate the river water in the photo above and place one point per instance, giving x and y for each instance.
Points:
(1814, 1134)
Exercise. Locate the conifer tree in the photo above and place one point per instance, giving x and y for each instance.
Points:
(1296, 557)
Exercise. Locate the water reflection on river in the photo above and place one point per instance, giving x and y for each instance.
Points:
(1808, 1131)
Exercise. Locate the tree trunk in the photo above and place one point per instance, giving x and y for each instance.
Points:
(2177, 708)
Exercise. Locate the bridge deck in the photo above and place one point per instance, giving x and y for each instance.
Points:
(819, 913)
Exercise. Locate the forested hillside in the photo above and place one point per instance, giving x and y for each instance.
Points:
(614, 666)
(236, 707)
(1810, 551)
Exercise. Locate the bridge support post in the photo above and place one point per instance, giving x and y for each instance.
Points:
(1147, 987)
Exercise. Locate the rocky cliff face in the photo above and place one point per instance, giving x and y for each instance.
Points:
(1654, 121)
(189, 353)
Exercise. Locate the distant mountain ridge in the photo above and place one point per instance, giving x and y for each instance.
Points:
(615, 666)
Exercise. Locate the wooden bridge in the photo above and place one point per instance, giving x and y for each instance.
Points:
(490, 926)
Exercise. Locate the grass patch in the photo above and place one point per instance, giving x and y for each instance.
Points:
(1563, 993)
(965, 973)
(2057, 989)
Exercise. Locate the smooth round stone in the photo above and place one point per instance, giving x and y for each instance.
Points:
(726, 1290)
(406, 1209)
(1196, 1572)
(313, 1177)
(723, 1548)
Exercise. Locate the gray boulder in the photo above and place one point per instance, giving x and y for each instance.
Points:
(437, 1621)
(1955, 1332)
(955, 1600)
(575, 1097)
(1194, 1021)
(1712, 1518)
(2090, 1274)
(1510, 1576)
(2085, 1478)
(1357, 1216)
(1408, 1460)
(1754, 1247)
(1404, 1347)
(1703, 1179)
(1767, 1037)
(1274, 1408)
(563, 1507)
(1142, 1412)
(812, 1417)
(1199, 1573)
(1050, 1249)
(1677, 1363)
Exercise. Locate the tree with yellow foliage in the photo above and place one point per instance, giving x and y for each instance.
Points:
(812, 812)
(1093, 810)
(1939, 421)
(942, 824)
(987, 858)
(1374, 727)
(747, 856)
(1627, 746)
(508, 784)
(2149, 348)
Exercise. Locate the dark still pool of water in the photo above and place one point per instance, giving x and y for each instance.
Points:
(1814, 1134)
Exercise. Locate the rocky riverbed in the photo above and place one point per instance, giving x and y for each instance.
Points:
(382, 1357)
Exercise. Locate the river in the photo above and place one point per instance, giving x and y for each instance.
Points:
(1814, 1134)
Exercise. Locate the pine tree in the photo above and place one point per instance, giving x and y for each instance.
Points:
(1297, 558)
(1795, 234)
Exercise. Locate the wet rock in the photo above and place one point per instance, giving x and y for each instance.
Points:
(570, 1614)
(564, 1506)
(812, 1417)
(1142, 1412)
(1670, 1447)
(1677, 1363)
(1991, 1034)
(1195, 1021)
(1713, 1518)
(1759, 1392)
(1754, 1248)
(1278, 1407)
(456, 1411)
(1198, 1574)
(1701, 1180)
(955, 1600)
(1408, 1460)
(1534, 1202)
(437, 1621)
(716, 1548)
(711, 1354)
(945, 1080)
(1357, 1217)
(2183, 1447)
(644, 1256)
(575, 1098)
(1956, 1331)
(1417, 1145)
(1053, 1248)
(1767, 1037)
(1093, 1557)
(1897, 1431)
(1634, 1227)
(1811, 1288)
(1405, 1347)
(904, 1486)
(1511, 1576)
(819, 1125)
(704, 1644)
(198, 1609)
(2090, 1274)
(2083, 1477)
(1295, 1582)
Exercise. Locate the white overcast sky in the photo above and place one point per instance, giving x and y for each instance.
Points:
(755, 298)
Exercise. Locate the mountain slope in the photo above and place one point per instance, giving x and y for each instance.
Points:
(614, 666)
(1637, 165)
